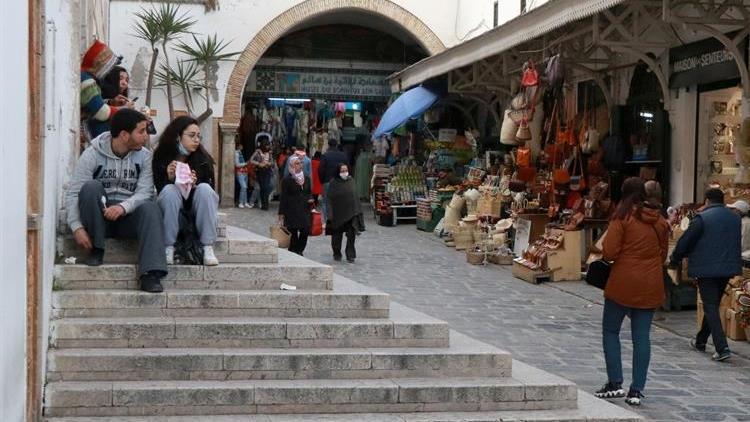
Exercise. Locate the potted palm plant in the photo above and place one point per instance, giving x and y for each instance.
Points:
(206, 54)
(184, 76)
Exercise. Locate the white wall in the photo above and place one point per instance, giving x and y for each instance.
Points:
(683, 119)
(13, 120)
(239, 21)
(509, 9)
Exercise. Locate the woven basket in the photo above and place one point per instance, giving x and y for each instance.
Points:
(499, 259)
(474, 257)
(463, 239)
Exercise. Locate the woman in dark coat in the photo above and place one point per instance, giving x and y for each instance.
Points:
(345, 213)
(295, 204)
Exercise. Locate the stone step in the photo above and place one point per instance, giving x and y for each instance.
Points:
(234, 245)
(290, 269)
(528, 389)
(404, 328)
(464, 358)
(346, 300)
(62, 222)
(588, 409)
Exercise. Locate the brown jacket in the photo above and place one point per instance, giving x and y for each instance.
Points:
(638, 247)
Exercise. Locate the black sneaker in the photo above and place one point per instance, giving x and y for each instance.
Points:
(698, 347)
(337, 257)
(634, 397)
(610, 391)
(151, 283)
(722, 356)
(350, 260)
(95, 258)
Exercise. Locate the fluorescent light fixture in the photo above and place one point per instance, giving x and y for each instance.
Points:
(291, 100)
(646, 114)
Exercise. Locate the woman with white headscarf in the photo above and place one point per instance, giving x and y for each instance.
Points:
(295, 204)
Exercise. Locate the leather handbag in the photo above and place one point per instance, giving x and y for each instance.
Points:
(577, 181)
(530, 75)
(597, 273)
(316, 224)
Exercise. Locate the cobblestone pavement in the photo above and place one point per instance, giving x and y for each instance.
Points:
(555, 326)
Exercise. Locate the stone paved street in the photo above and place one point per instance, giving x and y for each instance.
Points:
(555, 327)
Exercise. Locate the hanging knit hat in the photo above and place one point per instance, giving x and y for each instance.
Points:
(99, 60)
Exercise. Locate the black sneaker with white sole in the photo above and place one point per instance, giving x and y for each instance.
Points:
(697, 347)
(722, 356)
(610, 391)
(634, 398)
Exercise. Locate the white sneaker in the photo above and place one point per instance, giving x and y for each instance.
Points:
(169, 252)
(209, 258)
(241, 205)
(251, 205)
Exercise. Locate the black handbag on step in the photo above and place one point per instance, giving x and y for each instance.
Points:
(598, 273)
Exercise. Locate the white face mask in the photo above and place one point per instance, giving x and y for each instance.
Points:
(344, 175)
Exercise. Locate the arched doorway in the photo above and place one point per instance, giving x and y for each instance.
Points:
(383, 14)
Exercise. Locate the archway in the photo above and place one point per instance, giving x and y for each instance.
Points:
(307, 10)
(283, 24)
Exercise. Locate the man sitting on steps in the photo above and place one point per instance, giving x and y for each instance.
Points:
(111, 195)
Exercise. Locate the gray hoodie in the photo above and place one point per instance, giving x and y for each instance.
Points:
(127, 181)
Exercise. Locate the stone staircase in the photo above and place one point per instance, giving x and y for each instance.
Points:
(226, 344)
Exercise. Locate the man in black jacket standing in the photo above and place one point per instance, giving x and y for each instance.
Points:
(329, 167)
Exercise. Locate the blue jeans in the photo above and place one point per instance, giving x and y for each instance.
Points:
(324, 204)
(640, 328)
(242, 181)
(712, 290)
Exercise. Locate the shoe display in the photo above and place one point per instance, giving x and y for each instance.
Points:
(169, 252)
(95, 258)
(722, 356)
(610, 391)
(634, 398)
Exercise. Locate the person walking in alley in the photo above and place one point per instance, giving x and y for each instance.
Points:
(636, 243)
(240, 173)
(295, 203)
(328, 169)
(263, 164)
(345, 213)
(713, 245)
(111, 195)
(181, 143)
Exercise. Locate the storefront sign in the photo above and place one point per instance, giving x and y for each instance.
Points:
(702, 62)
(318, 83)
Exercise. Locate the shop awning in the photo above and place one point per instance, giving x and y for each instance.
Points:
(552, 15)
(409, 105)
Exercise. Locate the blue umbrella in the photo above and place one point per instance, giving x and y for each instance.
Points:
(409, 105)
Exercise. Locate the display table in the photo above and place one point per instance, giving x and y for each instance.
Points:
(398, 208)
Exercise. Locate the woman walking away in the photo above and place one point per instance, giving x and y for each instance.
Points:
(636, 242)
(180, 142)
(261, 160)
(295, 203)
(240, 173)
(345, 213)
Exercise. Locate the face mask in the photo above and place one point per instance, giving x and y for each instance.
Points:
(344, 175)
(181, 149)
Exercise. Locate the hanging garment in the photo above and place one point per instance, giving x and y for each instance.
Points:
(363, 174)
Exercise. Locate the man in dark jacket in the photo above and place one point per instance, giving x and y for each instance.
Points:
(328, 169)
(712, 245)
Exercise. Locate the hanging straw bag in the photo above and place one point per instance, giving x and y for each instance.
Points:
(281, 235)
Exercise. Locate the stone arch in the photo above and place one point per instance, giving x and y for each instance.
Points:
(302, 12)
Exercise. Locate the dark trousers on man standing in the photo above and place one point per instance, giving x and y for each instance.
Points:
(264, 180)
(337, 238)
(712, 290)
(298, 240)
(143, 224)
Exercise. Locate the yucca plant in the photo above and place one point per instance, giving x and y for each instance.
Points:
(171, 23)
(206, 53)
(185, 76)
(147, 29)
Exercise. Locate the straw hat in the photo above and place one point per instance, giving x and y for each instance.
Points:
(504, 224)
